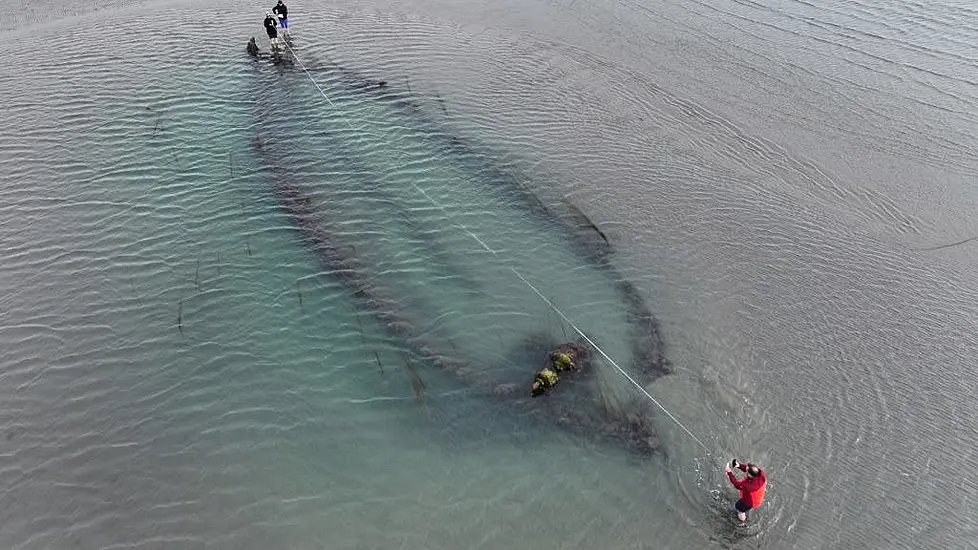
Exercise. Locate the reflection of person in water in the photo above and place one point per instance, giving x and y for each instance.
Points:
(547, 378)
(270, 28)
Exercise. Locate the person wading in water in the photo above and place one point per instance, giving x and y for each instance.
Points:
(282, 11)
(270, 24)
(751, 487)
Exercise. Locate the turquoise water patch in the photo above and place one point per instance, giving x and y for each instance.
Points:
(183, 368)
(436, 228)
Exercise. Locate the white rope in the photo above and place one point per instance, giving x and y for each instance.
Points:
(533, 288)
(610, 360)
(447, 213)
(313, 80)
(314, 83)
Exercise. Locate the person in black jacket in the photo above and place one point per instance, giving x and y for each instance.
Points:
(270, 28)
(282, 11)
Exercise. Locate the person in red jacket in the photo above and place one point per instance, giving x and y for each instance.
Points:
(751, 487)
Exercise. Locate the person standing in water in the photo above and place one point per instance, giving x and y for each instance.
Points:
(282, 11)
(270, 29)
(751, 487)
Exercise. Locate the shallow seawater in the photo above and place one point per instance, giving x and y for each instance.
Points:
(182, 371)
(435, 225)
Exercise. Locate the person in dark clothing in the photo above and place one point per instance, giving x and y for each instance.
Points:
(252, 47)
(270, 28)
(282, 11)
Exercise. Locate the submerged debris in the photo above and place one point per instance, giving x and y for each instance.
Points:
(379, 364)
(416, 383)
(581, 411)
(567, 358)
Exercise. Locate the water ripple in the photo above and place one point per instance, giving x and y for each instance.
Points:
(181, 372)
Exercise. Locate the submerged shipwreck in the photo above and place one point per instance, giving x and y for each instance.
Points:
(428, 255)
